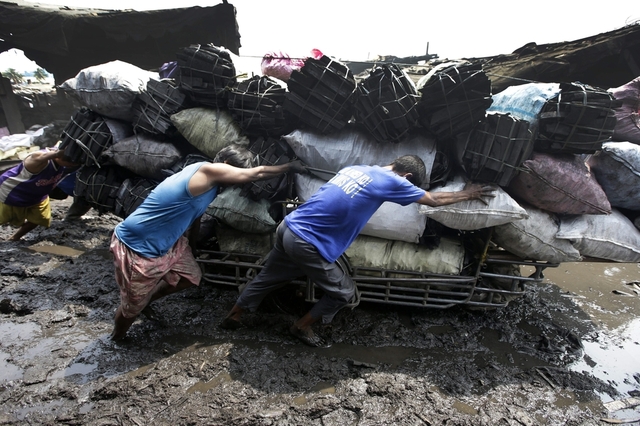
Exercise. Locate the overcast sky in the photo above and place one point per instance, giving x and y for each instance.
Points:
(359, 30)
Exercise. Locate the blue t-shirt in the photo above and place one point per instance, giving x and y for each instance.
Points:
(167, 212)
(334, 216)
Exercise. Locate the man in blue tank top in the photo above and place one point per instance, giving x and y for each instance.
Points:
(311, 238)
(152, 257)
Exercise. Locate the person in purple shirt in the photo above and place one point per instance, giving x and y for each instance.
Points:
(312, 237)
(25, 188)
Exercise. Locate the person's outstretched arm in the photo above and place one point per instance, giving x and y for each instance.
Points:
(213, 174)
(470, 192)
(36, 162)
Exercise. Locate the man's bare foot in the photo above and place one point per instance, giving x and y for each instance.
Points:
(308, 337)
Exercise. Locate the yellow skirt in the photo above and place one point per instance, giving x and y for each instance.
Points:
(40, 214)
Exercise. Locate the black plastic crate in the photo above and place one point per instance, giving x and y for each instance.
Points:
(578, 120)
(85, 137)
(386, 103)
(131, 194)
(495, 149)
(152, 109)
(322, 94)
(454, 99)
(256, 104)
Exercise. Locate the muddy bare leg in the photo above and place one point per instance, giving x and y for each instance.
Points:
(302, 330)
(121, 325)
(304, 324)
(24, 229)
(232, 320)
(163, 289)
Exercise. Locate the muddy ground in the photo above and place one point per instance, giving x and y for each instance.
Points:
(511, 366)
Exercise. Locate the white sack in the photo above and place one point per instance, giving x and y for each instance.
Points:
(109, 89)
(612, 237)
(617, 170)
(474, 214)
(391, 221)
(535, 238)
(351, 146)
(374, 252)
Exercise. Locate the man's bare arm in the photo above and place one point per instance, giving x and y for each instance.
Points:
(470, 192)
(213, 174)
(36, 162)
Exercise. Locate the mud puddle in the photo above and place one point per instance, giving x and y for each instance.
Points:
(557, 355)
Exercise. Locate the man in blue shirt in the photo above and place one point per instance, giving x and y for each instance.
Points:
(311, 238)
(152, 257)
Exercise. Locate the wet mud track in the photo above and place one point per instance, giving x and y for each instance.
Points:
(387, 366)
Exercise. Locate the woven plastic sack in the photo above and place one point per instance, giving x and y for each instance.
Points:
(143, 155)
(209, 130)
(242, 213)
(617, 169)
(391, 221)
(612, 237)
(535, 238)
(109, 89)
(474, 214)
(352, 146)
(559, 183)
(233, 241)
(628, 114)
(372, 252)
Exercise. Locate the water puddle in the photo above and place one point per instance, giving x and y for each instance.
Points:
(607, 294)
(11, 334)
(56, 249)
(614, 358)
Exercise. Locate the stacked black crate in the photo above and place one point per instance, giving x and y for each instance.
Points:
(322, 94)
(205, 73)
(256, 104)
(269, 152)
(455, 97)
(99, 186)
(578, 120)
(85, 136)
(153, 107)
(131, 194)
(495, 149)
(386, 103)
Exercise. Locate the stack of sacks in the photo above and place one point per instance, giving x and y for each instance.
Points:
(550, 201)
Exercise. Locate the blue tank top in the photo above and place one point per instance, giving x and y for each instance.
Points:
(167, 212)
(334, 216)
